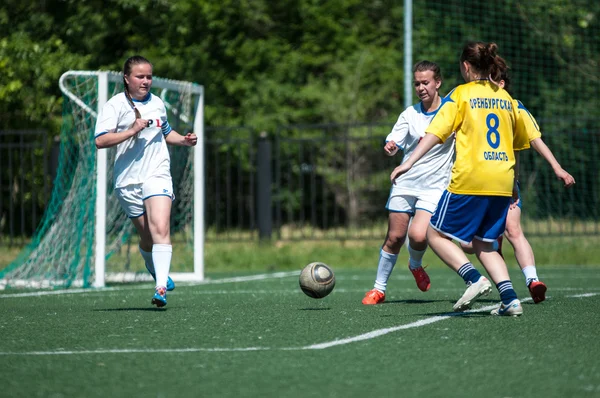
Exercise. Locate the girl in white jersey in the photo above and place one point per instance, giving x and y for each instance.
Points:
(135, 121)
(414, 196)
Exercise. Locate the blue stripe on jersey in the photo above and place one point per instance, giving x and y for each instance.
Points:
(445, 100)
(102, 133)
(521, 106)
(146, 98)
(430, 113)
(166, 128)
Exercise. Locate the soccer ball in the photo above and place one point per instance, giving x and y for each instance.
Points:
(317, 280)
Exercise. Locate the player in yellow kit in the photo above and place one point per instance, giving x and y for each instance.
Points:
(514, 233)
(475, 204)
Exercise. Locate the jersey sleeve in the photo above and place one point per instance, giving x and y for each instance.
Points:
(521, 131)
(164, 123)
(108, 119)
(529, 122)
(447, 119)
(399, 132)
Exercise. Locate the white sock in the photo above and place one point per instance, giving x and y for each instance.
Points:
(147, 260)
(530, 274)
(415, 257)
(161, 256)
(384, 269)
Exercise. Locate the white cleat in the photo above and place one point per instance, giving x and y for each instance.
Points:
(513, 308)
(482, 287)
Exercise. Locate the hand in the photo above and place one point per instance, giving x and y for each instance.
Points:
(398, 171)
(139, 125)
(190, 139)
(390, 148)
(565, 177)
(514, 201)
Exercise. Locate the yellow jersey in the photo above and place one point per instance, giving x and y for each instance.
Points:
(485, 120)
(527, 121)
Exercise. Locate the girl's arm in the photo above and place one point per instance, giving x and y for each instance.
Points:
(547, 154)
(174, 138)
(111, 138)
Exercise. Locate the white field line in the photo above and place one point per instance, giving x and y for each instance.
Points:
(274, 275)
(584, 295)
(113, 291)
(349, 340)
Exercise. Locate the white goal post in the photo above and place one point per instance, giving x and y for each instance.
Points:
(194, 116)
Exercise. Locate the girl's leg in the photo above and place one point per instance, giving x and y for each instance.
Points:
(158, 211)
(395, 237)
(417, 245)
(524, 255)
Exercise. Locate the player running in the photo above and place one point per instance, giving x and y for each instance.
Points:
(514, 232)
(475, 204)
(414, 195)
(135, 121)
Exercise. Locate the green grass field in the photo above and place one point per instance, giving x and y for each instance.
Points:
(260, 336)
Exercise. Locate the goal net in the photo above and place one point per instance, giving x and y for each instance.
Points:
(84, 238)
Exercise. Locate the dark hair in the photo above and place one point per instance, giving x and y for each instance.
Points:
(135, 60)
(506, 77)
(424, 66)
(484, 59)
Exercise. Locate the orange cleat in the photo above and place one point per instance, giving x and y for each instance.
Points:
(422, 279)
(538, 291)
(373, 297)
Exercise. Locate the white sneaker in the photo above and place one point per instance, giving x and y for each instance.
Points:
(482, 287)
(513, 308)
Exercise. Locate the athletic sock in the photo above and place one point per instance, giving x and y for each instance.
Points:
(147, 260)
(415, 258)
(530, 274)
(161, 256)
(387, 261)
(469, 273)
(507, 293)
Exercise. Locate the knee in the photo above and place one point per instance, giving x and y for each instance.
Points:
(417, 238)
(513, 230)
(395, 239)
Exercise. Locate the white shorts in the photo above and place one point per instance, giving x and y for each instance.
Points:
(132, 196)
(411, 203)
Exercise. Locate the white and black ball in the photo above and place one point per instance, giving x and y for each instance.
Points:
(317, 280)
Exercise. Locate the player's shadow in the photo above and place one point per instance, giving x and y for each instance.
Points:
(475, 314)
(130, 309)
(314, 309)
(412, 301)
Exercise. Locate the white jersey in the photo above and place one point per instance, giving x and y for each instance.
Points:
(145, 154)
(431, 174)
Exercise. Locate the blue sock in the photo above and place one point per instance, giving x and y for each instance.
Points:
(507, 293)
(469, 273)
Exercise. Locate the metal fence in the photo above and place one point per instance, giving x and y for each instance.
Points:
(308, 182)
(28, 161)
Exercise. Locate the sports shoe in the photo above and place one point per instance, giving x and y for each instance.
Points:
(170, 283)
(513, 308)
(537, 290)
(482, 287)
(373, 297)
(160, 297)
(421, 277)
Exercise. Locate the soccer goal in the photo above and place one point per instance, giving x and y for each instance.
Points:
(84, 238)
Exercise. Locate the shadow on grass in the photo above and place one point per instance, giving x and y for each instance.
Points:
(314, 309)
(131, 309)
(459, 314)
(413, 301)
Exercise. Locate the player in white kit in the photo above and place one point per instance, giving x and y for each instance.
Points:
(136, 122)
(414, 195)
